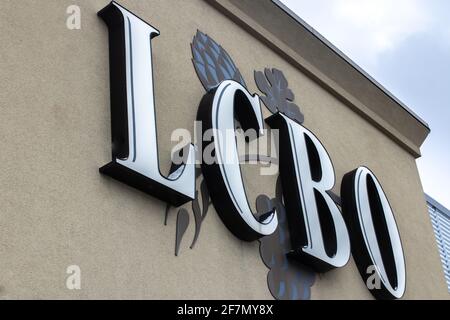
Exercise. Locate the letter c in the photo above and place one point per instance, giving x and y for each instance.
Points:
(218, 110)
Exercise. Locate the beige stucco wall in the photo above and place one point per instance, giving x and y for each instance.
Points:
(57, 210)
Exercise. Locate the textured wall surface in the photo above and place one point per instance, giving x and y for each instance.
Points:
(57, 210)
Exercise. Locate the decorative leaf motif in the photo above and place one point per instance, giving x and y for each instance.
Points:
(182, 225)
(168, 206)
(198, 219)
(212, 63)
(199, 216)
(205, 199)
(278, 97)
(287, 280)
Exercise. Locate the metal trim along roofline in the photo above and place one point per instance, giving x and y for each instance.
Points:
(437, 205)
(299, 44)
(348, 60)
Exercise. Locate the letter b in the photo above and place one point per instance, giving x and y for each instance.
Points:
(318, 232)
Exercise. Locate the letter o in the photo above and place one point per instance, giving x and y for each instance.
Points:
(374, 234)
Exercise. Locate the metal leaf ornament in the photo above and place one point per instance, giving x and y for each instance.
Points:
(182, 225)
(287, 280)
(278, 97)
(200, 213)
(212, 63)
(199, 210)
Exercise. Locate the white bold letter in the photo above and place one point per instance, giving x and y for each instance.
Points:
(218, 111)
(374, 234)
(135, 149)
(318, 232)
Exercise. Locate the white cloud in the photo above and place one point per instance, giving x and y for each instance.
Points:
(363, 29)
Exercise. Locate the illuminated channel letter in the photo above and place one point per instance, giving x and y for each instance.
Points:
(373, 231)
(318, 232)
(134, 139)
(218, 110)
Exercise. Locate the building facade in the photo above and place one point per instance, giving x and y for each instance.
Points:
(440, 218)
(70, 232)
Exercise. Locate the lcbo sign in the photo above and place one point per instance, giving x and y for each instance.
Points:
(321, 236)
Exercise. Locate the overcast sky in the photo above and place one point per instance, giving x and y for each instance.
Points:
(404, 45)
